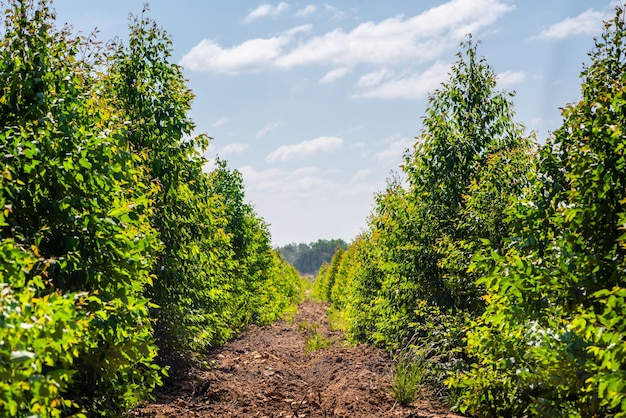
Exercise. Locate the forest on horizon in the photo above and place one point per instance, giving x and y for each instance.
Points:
(308, 258)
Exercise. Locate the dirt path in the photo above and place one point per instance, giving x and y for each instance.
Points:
(267, 373)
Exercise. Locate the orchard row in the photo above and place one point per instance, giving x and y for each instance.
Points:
(113, 239)
(500, 264)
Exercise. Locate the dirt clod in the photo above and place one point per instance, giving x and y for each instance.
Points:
(266, 372)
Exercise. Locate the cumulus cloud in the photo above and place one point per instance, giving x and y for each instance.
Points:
(286, 197)
(336, 12)
(306, 11)
(324, 144)
(261, 179)
(302, 180)
(267, 10)
(360, 176)
(413, 86)
(251, 55)
(232, 149)
(374, 78)
(220, 122)
(399, 39)
(335, 74)
(394, 150)
(508, 78)
(268, 128)
(588, 22)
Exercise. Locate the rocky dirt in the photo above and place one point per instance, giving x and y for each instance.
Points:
(266, 372)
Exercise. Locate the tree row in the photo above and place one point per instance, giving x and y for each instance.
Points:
(115, 240)
(497, 262)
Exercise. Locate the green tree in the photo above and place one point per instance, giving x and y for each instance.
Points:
(194, 261)
(76, 205)
(470, 144)
(324, 282)
(551, 342)
(413, 285)
(308, 258)
(470, 159)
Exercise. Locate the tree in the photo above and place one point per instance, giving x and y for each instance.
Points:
(308, 258)
(75, 217)
(551, 342)
(194, 261)
(470, 159)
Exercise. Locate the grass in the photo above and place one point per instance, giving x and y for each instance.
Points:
(406, 377)
(337, 319)
(314, 340)
(289, 314)
(417, 369)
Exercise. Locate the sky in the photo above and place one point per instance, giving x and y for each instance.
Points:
(315, 103)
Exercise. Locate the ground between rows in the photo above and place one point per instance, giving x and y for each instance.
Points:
(266, 372)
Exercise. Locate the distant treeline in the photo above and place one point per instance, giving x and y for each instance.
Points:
(308, 258)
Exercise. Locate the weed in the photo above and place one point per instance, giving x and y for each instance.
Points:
(337, 319)
(314, 340)
(416, 368)
(406, 377)
(289, 314)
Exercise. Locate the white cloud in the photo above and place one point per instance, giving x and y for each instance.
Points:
(231, 149)
(414, 86)
(288, 198)
(374, 78)
(397, 40)
(336, 12)
(261, 180)
(304, 149)
(394, 151)
(251, 55)
(588, 22)
(509, 77)
(220, 122)
(335, 74)
(307, 11)
(360, 175)
(301, 181)
(268, 128)
(267, 10)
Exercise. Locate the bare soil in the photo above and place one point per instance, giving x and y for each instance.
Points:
(266, 372)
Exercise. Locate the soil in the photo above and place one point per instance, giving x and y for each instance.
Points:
(266, 372)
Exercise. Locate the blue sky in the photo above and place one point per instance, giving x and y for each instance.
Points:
(315, 102)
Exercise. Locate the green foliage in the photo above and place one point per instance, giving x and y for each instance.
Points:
(470, 160)
(196, 255)
(216, 271)
(470, 155)
(361, 286)
(104, 210)
(409, 373)
(25, 385)
(281, 289)
(551, 341)
(325, 280)
(78, 203)
(41, 338)
(314, 339)
(409, 276)
(262, 285)
(308, 258)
